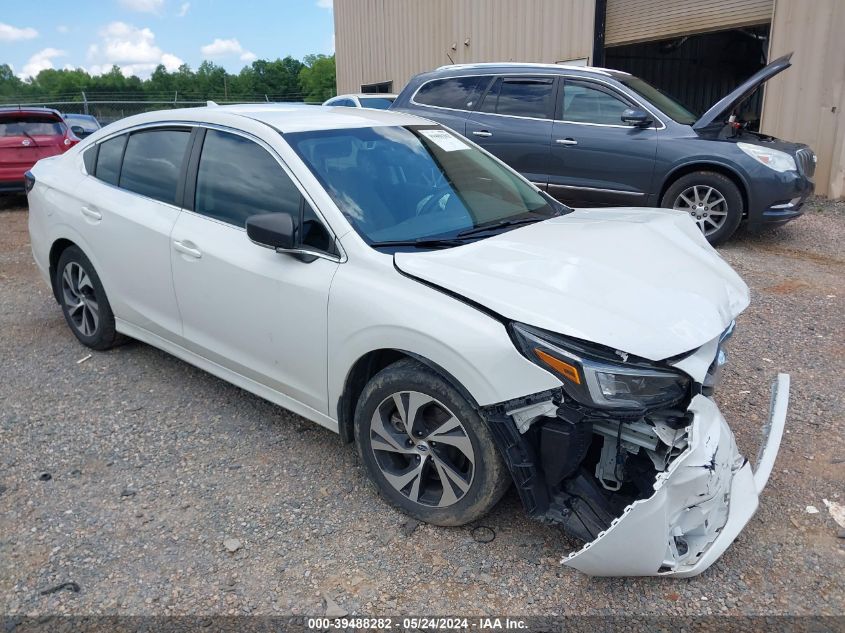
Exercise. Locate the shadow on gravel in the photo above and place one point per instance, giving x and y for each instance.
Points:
(12, 202)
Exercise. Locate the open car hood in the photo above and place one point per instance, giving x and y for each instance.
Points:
(642, 281)
(742, 91)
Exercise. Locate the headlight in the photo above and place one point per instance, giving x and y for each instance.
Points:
(596, 382)
(772, 158)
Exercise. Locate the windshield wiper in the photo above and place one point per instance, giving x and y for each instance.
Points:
(29, 136)
(422, 242)
(484, 228)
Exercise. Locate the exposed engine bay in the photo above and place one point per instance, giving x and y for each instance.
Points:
(651, 492)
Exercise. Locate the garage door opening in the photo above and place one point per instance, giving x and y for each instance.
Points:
(382, 87)
(698, 70)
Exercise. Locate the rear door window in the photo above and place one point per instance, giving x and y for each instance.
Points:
(521, 96)
(588, 102)
(108, 159)
(153, 161)
(457, 93)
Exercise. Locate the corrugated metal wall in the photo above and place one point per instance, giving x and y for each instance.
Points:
(392, 40)
(641, 20)
(807, 102)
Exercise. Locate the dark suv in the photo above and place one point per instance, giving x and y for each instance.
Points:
(598, 137)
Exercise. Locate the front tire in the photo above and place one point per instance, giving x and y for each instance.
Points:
(426, 448)
(83, 300)
(711, 199)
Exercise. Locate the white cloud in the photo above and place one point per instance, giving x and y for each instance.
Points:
(183, 10)
(63, 28)
(133, 49)
(227, 48)
(325, 4)
(9, 33)
(143, 6)
(42, 60)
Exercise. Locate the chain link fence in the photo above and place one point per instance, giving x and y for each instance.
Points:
(110, 108)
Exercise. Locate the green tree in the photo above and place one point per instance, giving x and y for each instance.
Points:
(10, 84)
(318, 78)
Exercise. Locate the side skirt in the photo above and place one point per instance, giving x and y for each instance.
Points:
(247, 384)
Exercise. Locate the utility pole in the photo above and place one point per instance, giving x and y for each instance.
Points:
(84, 103)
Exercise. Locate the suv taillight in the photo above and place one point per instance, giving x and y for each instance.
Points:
(28, 181)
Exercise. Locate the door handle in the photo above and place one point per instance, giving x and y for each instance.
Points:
(566, 141)
(483, 133)
(91, 213)
(187, 248)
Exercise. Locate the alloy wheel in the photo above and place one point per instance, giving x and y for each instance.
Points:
(79, 299)
(706, 205)
(422, 449)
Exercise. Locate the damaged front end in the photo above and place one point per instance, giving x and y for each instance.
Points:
(633, 456)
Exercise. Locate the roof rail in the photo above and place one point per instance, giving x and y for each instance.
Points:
(594, 69)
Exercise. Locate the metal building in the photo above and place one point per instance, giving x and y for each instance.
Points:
(694, 49)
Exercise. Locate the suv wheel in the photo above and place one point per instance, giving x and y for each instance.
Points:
(426, 447)
(713, 201)
(83, 300)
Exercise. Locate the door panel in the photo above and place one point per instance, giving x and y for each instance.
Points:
(130, 233)
(514, 124)
(259, 313)
(131, 237)
(252, 310)
(596, 160)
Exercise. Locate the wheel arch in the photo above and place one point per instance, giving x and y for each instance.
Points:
(58, 247)
(703, 165)
(369, 365)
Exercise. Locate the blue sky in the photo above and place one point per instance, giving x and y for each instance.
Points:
(139, 34)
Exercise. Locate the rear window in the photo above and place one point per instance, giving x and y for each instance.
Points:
(520, 96)
(377, 103)
(152, 162)
(457, 93)
(30, 125)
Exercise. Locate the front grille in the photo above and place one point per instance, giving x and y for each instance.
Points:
(806, 161)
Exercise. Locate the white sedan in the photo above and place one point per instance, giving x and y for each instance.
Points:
(376, 101)
(391, 281)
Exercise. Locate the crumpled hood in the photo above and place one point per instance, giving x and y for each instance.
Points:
(642, 281)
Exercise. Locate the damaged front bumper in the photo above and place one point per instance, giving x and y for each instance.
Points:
(701, 502)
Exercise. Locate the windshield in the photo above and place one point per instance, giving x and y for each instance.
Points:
(379, 103)
(30, 125)
(401, 184)
(669, 105)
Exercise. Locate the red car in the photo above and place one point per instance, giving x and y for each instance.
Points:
(27, 135)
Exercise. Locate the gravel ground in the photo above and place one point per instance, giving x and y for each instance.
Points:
(152, 465)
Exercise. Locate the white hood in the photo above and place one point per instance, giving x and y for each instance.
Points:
(642, 281)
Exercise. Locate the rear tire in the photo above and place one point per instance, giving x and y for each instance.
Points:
(713, 201)
(426, 448)
(83, 300)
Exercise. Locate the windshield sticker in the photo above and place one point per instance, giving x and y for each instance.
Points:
(444, 140)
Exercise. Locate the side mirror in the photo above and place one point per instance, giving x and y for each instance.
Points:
(636, 117)
(272, 230)
(78, 130)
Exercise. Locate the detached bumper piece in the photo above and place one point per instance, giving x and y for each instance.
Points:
(701, 501)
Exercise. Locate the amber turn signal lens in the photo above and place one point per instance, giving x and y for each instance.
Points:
(570, 372)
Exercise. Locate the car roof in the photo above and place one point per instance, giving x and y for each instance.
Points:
(384, 95)
(307, 118)
(281, 116)
(28, 110)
